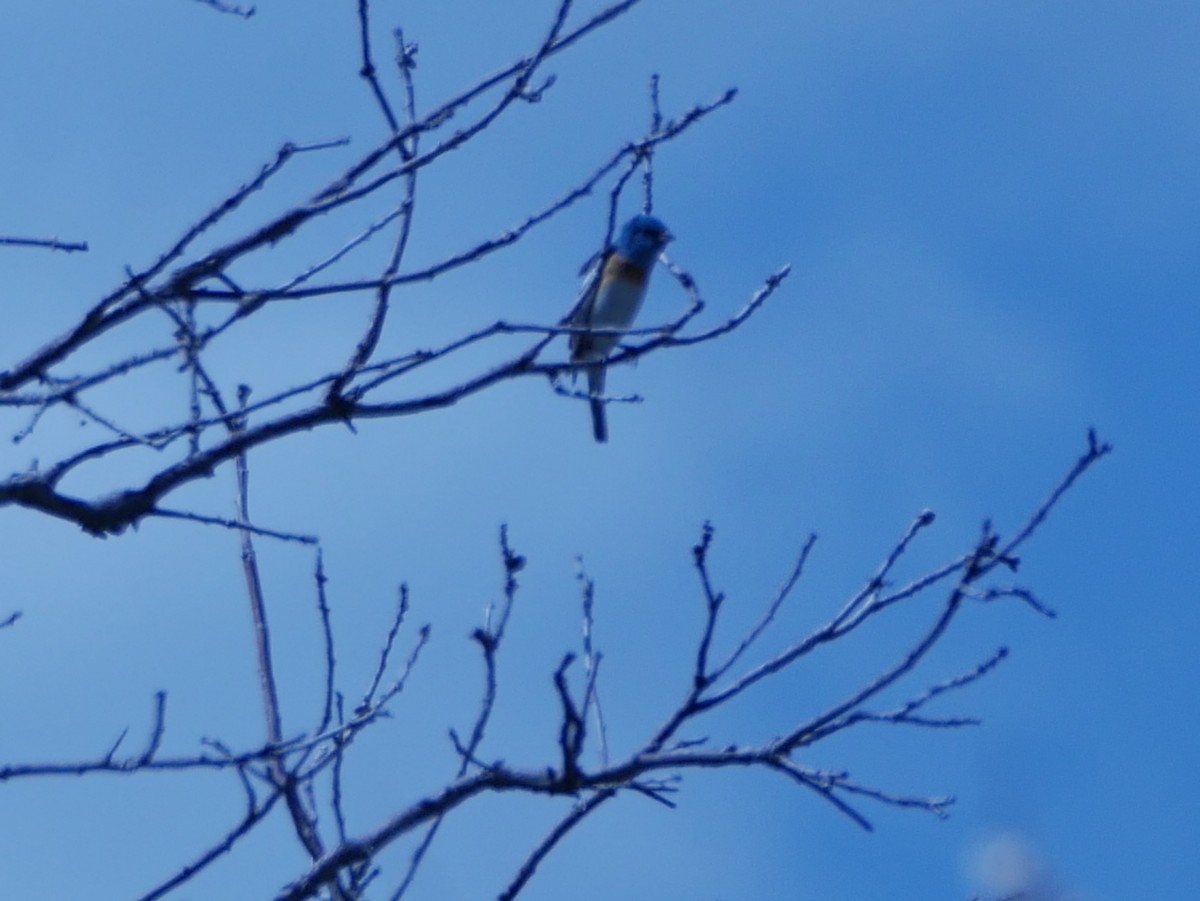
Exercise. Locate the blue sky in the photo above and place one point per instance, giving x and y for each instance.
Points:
(991, 212)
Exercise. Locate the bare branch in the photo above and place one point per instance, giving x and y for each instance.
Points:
(565, 825)
(488, 638)
(713, 600)
(769, 616)
(876, 582)
(368, 71)
(381, 668)
(638, 772)
(1096, 450)
(234, 524)
(156, 734)
(233, 9)
(119, 306)
(572, 730)
(591, 657)
(407, 151)
(256, 814)
(48, 243)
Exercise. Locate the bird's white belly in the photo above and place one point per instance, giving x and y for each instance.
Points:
(616, 306)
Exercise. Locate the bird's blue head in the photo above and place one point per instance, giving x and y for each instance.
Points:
(642, 240)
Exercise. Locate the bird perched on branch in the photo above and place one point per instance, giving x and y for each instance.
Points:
(611, 300)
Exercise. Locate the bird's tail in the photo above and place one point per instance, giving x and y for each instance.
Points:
(599, 425)
(595, 376)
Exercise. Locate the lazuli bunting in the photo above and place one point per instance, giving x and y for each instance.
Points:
(611, 300)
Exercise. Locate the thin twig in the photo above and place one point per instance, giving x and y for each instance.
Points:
(48, 243)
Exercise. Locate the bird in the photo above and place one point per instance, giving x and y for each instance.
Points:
(611, 298)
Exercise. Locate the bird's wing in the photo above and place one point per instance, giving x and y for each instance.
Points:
(581, 313)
